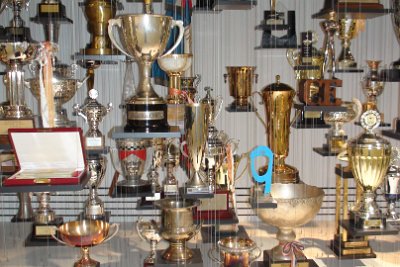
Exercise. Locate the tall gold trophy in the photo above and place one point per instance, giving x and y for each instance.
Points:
(144, 37)
(278, 99)
(347, 31)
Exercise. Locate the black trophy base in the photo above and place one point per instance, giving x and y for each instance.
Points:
(357, 232)
(270, 262)
(144, 204)
(357, 248)
(147, 118)
(324, 151)
(304, 122)
(269, 41)
(105, 217)
(234, 107)
(50, 13)
(144, 190)
(211, 234)
(15, 219)
(195, 261)
(40, 235)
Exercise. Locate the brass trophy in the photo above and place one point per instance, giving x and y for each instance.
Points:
(98, 13)
(174, 65)
(196, 129)
(241, 80)
(347, 32)
(129, 160)
(235, 251)
(177, 227)
(392, 190)
(149, 231)
(171, 161)
(65, 86)
(372, 86)
(369, 156)
(85, 234)
(144, 37)
(94, 206)
(93, 113)
(336, 137)
(278, 100)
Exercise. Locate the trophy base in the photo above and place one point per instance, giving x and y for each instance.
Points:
(15, 219)
(211, 233)
(16, 112)
(269, 41)
(309, 119)
(127, 189)
(235, 107)
(41, 234)
(357, 232)
(98, 217)
(354, 248)
(195, 261)
(171, 190)
(391, 75)
(147, 117)
(270, 262)
(362, 222)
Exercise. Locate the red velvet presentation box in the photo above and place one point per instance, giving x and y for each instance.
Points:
(51, 156)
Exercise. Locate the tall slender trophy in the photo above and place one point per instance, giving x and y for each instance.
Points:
(144, 37)
(85, 234)
(151, 232)
(372, 85)
(241, 80)
(330, 27)
(98, 13)
(171, 159)
(94, 206)
(347, 32)
(93, 113)
(278, 100)
(392, 193)
(369, 156)
(196, 129)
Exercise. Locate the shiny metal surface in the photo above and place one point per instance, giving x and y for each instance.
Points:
(392, 192)
(278, 100)
(241, 80)
(25, 211)
(94, 206)
(347, 31)
(151, 232)
(196, 128)
(213, 105)
(189, 85)
(372, 85)
(297, 205)
(177, 227)
(44, 213)
(337, 118)
(84, 233)
(98, 13)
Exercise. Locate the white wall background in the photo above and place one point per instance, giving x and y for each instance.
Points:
(222, 39)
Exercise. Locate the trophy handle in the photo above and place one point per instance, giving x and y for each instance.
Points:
(292, 55)
(140, 220)
(80, 83)
(344, 156)
(197, 80)
(179, 24)
(258, 114)
(358, 110)
(111, 24)
(213, 257)
(267, 177)
(255, 78)
(226, 77)
(115, 226)
(59, 240)
(255, 256)
(220, 101)
(183, 151)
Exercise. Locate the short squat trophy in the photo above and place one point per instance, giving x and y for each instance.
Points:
(144, 37)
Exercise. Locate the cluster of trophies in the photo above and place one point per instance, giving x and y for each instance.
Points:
(284, 201)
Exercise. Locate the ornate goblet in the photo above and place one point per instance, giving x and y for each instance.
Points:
(372, 85)
(347, 31)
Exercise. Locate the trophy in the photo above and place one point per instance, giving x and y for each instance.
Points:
(235, 251)
(174, 65)
(189, 85)
(85, 234)
(392, 192)
(152, 176)
(347, 31)
(98, 13)
(297, 204)
(129, 160)
(144, 37)
(372, 86)
(196, 129)
(278, 100)
(241, 80)
(151, 232)
(25, 211)
(330, 27)
(171, 159)
(93, 113)
(65, 86)
(369, 156)
(94, 206)
(336, 137)
(177, 227)
(393, 74)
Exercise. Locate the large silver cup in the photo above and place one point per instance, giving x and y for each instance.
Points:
(196, 130)
(94, 206)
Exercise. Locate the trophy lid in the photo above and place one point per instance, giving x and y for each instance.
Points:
(277, 86)
(92, 103)
(208, 99)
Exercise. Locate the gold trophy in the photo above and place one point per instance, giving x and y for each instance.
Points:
(372, 86)
(177, 227)
(241, 80)
(278, 99)
(196, 129)
(347, 32)
(171, 160)
(174, 65)
(85, 234)
(98, 13)
(144, 37)
(369, 156)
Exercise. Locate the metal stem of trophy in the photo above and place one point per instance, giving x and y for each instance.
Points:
(90, 66)
(330, 27)
(25, 211)
(44, 214)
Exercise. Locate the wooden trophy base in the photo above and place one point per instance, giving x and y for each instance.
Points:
(353, 248)
(41, 236)
(195, 261)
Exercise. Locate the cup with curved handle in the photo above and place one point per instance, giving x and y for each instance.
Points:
(254, 255)
(181, 148)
